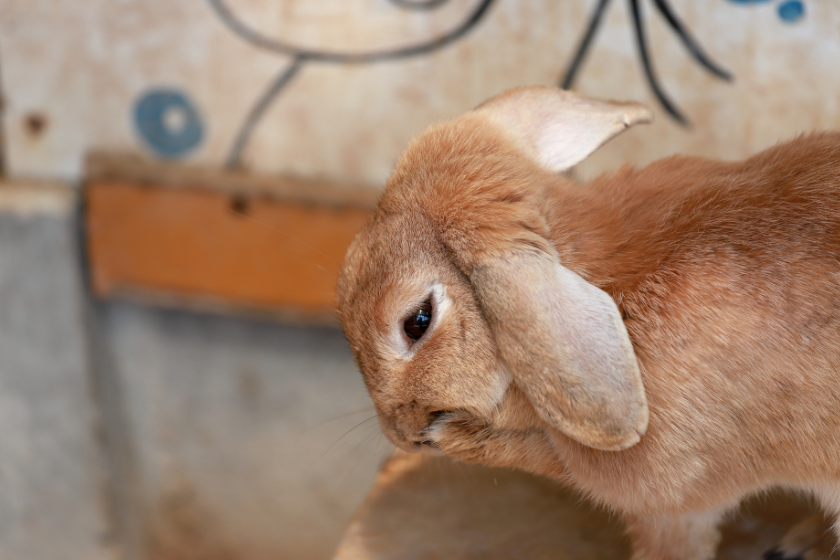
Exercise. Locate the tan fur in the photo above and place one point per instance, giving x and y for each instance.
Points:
(810, 539)
(726, 275)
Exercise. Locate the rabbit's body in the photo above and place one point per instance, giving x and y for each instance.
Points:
(726, 278)
(728, 275)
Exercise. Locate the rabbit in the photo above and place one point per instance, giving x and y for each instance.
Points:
(810, 539)
(663, 339)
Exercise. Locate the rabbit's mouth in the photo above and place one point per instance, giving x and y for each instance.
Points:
(432, 433)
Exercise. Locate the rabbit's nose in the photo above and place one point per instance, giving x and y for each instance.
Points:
(412, 419)
(409, 419)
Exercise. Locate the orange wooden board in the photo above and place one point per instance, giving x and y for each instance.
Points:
(205, 247)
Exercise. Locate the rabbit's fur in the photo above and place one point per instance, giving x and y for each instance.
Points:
(810, 539)
(725, 276)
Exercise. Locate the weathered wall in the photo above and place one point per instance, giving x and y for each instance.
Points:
(74, 78)
(131, 433)
(54, 485)
(250, 440)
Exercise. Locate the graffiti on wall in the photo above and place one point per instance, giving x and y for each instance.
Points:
(170, 125)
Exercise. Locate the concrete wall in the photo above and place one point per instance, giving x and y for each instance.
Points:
(53, 474)
(250, 439)
(135, 433)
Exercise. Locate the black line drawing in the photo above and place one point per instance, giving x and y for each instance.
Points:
(301, 56)
(419, 4)
(688, 41)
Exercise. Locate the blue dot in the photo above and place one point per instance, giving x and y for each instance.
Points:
(168, 122)
(792, 11)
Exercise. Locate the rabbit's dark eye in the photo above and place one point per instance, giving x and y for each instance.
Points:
(419, 321)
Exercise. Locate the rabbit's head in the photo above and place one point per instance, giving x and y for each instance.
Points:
(453, 293)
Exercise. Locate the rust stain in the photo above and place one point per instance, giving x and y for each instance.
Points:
(35, 124)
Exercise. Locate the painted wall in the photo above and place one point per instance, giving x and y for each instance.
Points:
(175, 79)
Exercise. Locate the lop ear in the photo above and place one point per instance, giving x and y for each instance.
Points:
(559, 128)
(566, 345)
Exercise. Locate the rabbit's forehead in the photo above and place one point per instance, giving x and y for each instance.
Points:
(411, 277)
(393, 265)
(401, 251)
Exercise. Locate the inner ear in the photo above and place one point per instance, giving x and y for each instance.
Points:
(566, 345)
(559, 128)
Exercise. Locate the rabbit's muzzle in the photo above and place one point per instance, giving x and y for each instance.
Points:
(409, 427)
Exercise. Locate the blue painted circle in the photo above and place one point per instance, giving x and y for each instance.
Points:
(153, 117)
(792, 11)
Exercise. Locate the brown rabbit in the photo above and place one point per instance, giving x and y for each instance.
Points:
(664, 339)
(810, 539)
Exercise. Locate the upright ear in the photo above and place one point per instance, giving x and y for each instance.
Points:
(566, 345)
(558, 128)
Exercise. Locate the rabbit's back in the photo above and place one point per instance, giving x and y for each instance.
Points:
(728, 278)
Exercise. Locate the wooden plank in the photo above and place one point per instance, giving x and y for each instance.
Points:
(194, 239)
(110, 167)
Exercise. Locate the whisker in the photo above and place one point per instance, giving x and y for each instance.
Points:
(358, 457)
(331, 447)
(339, 417)
(320, 267)
(369, 438)
(378, 441)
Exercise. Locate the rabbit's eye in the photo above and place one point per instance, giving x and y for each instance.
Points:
(419, 321)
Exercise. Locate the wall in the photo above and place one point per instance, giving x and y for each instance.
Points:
(74, 79)
(53, 477)
(249, 440)
(181, 435)
(136, 433)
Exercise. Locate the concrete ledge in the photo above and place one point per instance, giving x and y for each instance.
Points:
(28, 199)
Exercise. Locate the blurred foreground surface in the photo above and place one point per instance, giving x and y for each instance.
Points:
(425, 508)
